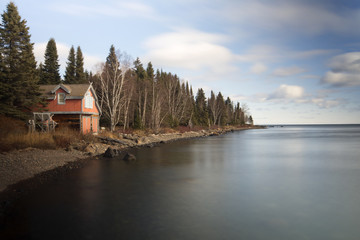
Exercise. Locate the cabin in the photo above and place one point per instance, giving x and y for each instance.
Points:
(73, 104)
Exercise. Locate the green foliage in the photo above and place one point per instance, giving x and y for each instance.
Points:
(201, 116)
(70, 67)
(139, 69)
(220, 104)
(150, 71)
(75, 72)
(19, 91)
(50, 69)
(79, 67)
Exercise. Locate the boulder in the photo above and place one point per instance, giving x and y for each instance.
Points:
(111, 152)
(91, 148)
(129, 157)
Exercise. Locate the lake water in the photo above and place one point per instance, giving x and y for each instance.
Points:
(291, 182)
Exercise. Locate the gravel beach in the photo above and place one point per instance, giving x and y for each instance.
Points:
(19, 165)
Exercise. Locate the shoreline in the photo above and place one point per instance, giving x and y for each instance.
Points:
(34, 167)
(22, 165)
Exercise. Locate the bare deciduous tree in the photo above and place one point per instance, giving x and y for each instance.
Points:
(112, 78)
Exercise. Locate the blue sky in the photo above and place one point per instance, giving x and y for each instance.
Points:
(290, 61)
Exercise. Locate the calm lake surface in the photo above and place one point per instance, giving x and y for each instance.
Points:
(291, 182)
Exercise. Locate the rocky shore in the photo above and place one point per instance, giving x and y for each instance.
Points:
(23, 164)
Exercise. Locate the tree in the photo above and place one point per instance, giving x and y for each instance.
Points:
(50, 69)
(79, 67)
(250, 120)
(70, 67)
(158, 113)
(111, 85)
(201, 114)
(212, 108)
(220, 106)
(176, 99)
(142, 93)
(19, 91)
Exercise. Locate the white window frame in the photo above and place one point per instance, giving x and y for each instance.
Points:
(60, 102)
(88, 101)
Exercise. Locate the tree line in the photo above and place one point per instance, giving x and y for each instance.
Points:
(130, 95)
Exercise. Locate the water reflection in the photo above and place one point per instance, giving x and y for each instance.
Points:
(283, 183)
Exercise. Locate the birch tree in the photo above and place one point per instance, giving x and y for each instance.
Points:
(112, 78)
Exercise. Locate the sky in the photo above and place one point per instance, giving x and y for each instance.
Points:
(289, 61)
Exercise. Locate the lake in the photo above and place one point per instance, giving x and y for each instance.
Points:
(290, 182)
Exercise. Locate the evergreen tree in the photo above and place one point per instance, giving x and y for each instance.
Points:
(201, 113)
(250, 120)
(139, 69)
(150, 71)
(19, 91)
(50, 70)
(220, 103)
(79, 63)
(70, 67)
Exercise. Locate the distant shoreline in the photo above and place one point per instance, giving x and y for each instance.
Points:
(313, 124)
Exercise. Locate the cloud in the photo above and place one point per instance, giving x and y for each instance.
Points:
(190, 49)
(293, 94)
(305, 17)
(344, 70)
(288, 71)
(269, 53)
(323, 103)
(107, 8)
(258, 68)
(287, 92)
(63, 53)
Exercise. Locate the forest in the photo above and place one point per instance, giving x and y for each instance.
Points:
(130, 94)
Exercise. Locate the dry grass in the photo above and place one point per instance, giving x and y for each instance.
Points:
(14, 135)
(20, 140)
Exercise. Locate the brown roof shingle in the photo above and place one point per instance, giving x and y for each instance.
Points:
(76, 90)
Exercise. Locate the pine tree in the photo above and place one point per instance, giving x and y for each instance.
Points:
(19, 91)
(150, 71)
(220, 105)
(139, 69)
(79, 65)
(70, 67)
(201, 113)
(50, 70)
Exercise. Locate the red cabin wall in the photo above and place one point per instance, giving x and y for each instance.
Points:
(89, 118)
(71, 105)
(94, 108)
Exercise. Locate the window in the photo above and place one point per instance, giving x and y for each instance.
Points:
(88, 100)
(61, 98)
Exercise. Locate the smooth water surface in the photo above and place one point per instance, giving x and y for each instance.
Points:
(291, 182)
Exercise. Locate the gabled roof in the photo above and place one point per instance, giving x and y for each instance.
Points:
(73, 90)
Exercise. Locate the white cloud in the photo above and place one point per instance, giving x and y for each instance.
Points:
(258, 68)
(348, 62)
(269, 53)
(288, 71)
(190, 49)
(345, 70)
(108, 8)
(292, 94)
(310, 17)
(323, 103)
(63, 53)
(288, 92)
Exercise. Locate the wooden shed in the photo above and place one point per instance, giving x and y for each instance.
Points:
(73, 104)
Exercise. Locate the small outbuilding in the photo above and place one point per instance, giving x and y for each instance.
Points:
(73, 104)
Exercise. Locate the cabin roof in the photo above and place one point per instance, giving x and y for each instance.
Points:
(74, 90)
